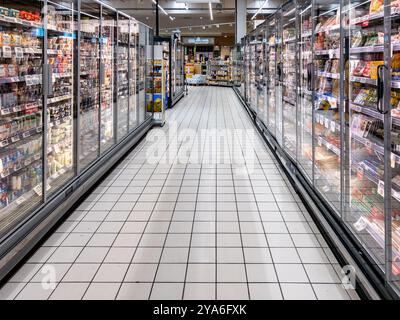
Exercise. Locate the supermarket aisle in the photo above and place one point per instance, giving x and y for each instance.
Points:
(191, 221)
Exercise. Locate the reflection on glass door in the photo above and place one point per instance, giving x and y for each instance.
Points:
(60, 37)
(271, 70)
(327, 146)
(247, 69)
(305, 105)
(133, 65)
(89, 83)
(21, 110)
(252, 72)
(289, 83)
(122, 60)
(107, 43)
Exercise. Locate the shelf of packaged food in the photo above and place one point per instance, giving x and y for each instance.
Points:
(26, 23)
(63, 52)
(335, 27)
(368, 49)
(331, 147)
(328, 74)
(374, 146)
(330, 124)
(60, 121)
(59, 98)
(21, 135)
(395, 13)
(370, 112)
(330, 52)
(333, 101)
(363, 80)
(29, 79)
(28, 161)
(16, 109)
(289, 101)
(306, 34)
(62, 75)
(289, 40)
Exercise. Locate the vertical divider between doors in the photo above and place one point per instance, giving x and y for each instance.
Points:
(129, 78)
(101, 71)
(387, 142)
(77, 88)
(297, 63)
(342, 104)
(115, 101)
(313, 93)
(45, 86)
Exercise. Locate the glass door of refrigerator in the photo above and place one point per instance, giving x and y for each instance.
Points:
(21, 110)
(279, 77)
(133, 65)
(260, 73)
(271, 75)
(122, 76)
(107, 63)
(326, 130)
(365, 212)
(89, 125)
(305, 94)
(60, 125)
(252, 72)
(247, 69)
(145, 84)
(289, 83)
(394, 114)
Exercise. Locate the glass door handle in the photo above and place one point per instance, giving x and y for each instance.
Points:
(48, 79)
(381, 89)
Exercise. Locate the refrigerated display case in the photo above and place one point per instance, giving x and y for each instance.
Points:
(59, 98)
(344, 94)
(176, 69)
(21, 110)
(326, 120)
(305, 152)
(122, 75)
(289, 78)
(107, 77)
(260, 72)
(89, 64)
(62, 91)
(272, 73)
(133, 74)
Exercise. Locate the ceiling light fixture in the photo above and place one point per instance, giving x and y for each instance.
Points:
(211, 12)
(161, 8)
(217, 25)
(259, 10)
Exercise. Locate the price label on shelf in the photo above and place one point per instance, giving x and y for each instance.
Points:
(326, 123)
(15, 139)
(360, 224)
(7, 53)
(19, 53)
(38, 189)
(381, 188)
(28, 80)
(392, 160)
(333, 126)
(20, 200)
(319, 141)
(360, 173)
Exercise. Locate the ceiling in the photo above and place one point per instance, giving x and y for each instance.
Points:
(195, 18)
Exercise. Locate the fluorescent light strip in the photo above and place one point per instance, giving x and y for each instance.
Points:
(161, 8)
(211, 12)
(289, 12)
(306, 9)
(259, 10)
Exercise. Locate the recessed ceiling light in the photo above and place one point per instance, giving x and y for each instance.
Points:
(204, 27)
(201, 18)
(147, 18)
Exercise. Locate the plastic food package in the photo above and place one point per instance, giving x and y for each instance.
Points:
(376, 6)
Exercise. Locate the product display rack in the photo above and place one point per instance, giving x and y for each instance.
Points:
(219, 72)
(64, 88)
(336, 117)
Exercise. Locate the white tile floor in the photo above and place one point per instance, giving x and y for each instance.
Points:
(189, 225)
